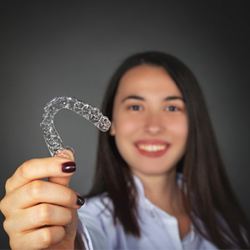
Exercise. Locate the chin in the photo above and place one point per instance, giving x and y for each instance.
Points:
(152, 171)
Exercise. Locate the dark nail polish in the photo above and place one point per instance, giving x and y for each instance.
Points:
(80, 201)
(69, 167)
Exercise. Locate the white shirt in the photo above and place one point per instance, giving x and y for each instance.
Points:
(159, 230)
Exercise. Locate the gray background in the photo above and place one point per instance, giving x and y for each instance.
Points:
(54, 48)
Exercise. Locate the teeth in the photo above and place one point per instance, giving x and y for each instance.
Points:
(152, 148)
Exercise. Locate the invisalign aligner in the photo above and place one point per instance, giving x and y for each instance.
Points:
(50, 134)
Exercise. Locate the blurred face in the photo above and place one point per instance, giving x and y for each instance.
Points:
(149, 121)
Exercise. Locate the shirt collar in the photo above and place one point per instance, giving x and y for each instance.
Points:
(145, 203)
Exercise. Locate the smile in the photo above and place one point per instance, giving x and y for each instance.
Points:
(152, 148)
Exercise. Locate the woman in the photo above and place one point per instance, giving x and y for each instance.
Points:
(159, 183)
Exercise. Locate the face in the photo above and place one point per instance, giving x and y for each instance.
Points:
(149, 121)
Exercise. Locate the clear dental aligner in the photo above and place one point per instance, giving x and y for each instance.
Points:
(50, 134)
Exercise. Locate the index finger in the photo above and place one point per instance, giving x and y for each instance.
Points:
(40, 168)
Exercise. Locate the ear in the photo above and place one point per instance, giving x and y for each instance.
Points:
(112, 130)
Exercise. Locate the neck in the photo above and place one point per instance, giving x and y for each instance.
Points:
(163, 191)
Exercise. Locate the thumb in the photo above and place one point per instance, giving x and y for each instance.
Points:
(66, 154)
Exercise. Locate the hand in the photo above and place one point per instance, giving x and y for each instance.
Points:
(41, 214)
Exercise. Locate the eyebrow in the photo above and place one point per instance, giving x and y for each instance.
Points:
(168, 98)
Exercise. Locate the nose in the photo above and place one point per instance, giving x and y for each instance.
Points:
(154, 124)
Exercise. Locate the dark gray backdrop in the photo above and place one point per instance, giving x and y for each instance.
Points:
(54, 48)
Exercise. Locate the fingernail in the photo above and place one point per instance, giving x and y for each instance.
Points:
(69, 167)
(80, 200)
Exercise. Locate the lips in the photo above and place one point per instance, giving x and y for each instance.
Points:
(152, 148)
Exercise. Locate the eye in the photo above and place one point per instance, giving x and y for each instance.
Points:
(135, 107)
(172, 108)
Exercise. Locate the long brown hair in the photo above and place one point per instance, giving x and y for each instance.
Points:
(209, 200)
